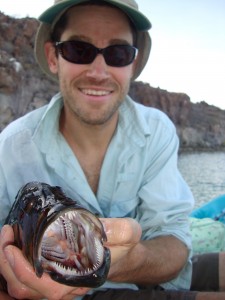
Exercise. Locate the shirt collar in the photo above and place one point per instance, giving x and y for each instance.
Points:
(48, 128)
(132, 121)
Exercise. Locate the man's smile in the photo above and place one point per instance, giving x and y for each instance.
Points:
(93, 92)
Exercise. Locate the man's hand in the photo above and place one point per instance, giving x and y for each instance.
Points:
(122, 235)
(22, 281)
(142, 262)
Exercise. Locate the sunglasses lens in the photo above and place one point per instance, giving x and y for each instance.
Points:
(119, 55)
(79, 52)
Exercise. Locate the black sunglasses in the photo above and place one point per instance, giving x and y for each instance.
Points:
(79, 52)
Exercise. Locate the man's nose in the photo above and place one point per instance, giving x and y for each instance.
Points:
(98, 68)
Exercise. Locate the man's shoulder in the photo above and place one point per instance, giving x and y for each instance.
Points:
(26, 123)
(149, 115)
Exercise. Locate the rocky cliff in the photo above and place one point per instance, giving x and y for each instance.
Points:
(199, 125)
(23, 87)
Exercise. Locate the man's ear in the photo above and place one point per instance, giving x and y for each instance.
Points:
(51, 57)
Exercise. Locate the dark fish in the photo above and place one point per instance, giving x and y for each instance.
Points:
(58, 236)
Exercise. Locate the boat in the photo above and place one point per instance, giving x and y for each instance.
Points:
(214, 209)
(207, 224)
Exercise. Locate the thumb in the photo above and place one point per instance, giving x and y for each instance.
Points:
(120, 231)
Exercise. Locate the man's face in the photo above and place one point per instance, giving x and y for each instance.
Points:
(93, 92)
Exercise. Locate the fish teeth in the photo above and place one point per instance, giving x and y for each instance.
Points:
(74, 225)
(61, 269)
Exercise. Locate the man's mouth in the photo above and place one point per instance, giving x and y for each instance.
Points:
(91, 92)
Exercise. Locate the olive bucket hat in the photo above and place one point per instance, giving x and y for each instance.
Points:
(49, 18)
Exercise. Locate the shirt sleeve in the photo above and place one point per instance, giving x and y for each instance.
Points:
(165, 199)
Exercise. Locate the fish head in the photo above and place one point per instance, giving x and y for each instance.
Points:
(59, 236)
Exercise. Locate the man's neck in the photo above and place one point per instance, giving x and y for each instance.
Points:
(85, 136)
(89, 143)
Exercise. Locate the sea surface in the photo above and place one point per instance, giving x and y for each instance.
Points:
(205, 174)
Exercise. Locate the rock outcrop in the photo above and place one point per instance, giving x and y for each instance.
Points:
(199, 125)
(23, 87)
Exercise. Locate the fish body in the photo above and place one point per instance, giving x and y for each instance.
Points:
(58, 236)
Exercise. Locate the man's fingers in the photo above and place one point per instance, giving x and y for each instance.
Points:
(15, 288)
(7, 236)
(16, 282)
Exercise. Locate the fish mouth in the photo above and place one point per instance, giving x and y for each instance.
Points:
(72, 245)
(58, 236)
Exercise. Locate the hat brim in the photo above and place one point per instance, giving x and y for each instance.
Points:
(139, 20)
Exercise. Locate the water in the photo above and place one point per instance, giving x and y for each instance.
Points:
(205, 174)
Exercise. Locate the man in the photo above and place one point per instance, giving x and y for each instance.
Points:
(119, 158)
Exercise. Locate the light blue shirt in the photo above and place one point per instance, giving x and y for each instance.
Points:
(139, 177)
